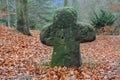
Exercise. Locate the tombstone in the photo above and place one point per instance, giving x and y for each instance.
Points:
(65, 35)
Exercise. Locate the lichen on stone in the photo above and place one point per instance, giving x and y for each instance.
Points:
(65, 35)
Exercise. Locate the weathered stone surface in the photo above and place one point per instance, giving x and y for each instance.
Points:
(65, 35)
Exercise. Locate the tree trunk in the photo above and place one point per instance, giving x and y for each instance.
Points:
(22, 17)
(65, 3)
(3, 8)
(8, 15)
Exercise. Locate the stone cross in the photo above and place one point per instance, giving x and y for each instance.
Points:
(65, 35)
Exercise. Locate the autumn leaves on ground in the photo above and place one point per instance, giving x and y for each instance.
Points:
(26, 58)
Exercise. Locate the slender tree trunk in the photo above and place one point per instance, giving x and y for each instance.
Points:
(8, 15)
(4, 10)
(65, 3)
(22, 17)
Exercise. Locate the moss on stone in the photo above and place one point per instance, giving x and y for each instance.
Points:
(65, 35)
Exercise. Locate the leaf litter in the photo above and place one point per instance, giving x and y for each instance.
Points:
(21, 57)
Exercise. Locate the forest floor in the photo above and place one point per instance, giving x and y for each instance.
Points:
(25, 57)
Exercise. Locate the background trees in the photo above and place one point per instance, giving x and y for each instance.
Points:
(41, 12)
(7, 12)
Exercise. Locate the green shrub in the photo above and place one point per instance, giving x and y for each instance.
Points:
(104, 18)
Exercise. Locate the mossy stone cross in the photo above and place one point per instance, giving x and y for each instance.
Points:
(65, 35)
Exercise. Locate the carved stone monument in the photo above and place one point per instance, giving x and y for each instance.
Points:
(65, 35)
